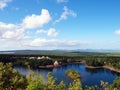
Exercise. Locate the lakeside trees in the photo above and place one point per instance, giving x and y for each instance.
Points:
(92, 59)
(102, 61)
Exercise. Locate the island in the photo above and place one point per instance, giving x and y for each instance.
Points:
(72, 74)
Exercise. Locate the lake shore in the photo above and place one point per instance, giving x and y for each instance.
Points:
(52, 66)
(46, 67)
(112, 69)
(105, 67)
(86, 66)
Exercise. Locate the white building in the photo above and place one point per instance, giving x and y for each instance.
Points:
(56, 64)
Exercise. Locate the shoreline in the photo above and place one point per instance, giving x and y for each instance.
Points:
(63, 64)
(86, 66)
(104, 67)
(46, 67)
(111, 69)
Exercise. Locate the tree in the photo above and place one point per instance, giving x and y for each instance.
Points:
(61, 86)
(10, 78)
(35, 82)
(51, 84)
(76, 85)
(116, 83)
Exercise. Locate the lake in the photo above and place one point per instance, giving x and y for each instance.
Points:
(89, 77)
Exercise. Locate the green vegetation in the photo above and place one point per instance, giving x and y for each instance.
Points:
(116, 83)
(72, 74)
(35, 83)
(76, 85)
(104, 61)
(106, 86)
(91, 58)
(10, 79)
(34, 63)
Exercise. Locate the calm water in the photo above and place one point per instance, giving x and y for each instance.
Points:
(89, 77)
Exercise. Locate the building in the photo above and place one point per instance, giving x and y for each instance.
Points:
(56, 64)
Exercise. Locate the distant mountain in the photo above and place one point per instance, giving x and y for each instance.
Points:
(96, 50)
(30, 51)
(57, 50)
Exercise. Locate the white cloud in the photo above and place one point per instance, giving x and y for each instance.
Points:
(51, 43)
(50, 32)
(41, 31)
(17, 32)
(35, 21)
(67, 12)
(61, 1)
(11, 32)
(11, 36)
(117, 32)
(14, 35)
(3, 3)
(4, 26)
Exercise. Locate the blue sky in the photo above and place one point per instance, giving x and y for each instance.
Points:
(59, 24)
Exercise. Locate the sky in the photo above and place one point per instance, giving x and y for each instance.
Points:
(59, 24)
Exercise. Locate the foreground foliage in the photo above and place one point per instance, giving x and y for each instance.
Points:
(10, 79)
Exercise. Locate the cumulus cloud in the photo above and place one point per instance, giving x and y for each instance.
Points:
(61, 1)
(4, 26)
(41, 31)
(117, 32)
(35, 21)
(50, 32)
(11, 32)
(51, 43)
(14, 35)
(3, 3)
(17, 32)
(67, 12)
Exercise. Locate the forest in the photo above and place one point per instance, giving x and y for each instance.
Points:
(90, 58)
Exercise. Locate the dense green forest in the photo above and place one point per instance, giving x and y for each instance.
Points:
(91, 58)
(10, 79)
